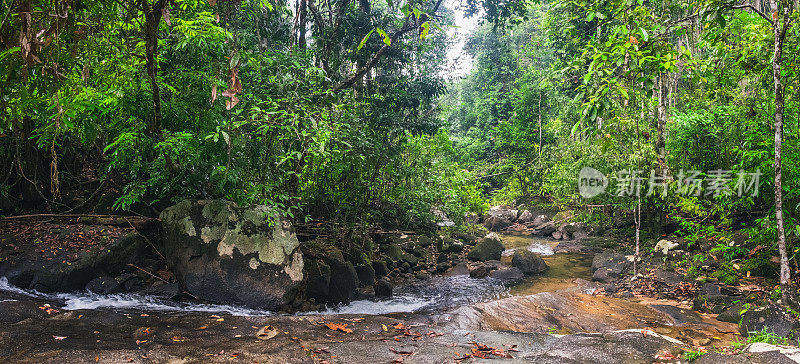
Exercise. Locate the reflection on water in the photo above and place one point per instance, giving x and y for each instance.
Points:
(563, 269)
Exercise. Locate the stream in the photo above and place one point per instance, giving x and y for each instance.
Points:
(435, 316)
(437, 294)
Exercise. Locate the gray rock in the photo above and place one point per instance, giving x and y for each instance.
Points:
(383, 288)
(318, 280)
(663, 246)
(731, 314)
(229, 254)
(393, 252)
(668, 277)
(366, 275)
(167, 290)
(480, 271)
(608, 265)
(771, 318)
(103, 285)
(679, 315)
(710, 289)
(454, 247)
(539, 221)
(61, 273)
(486, 249)
(761, 353)
(508, 275)
(544, 229)
(130, 282)
(528, 262)
(577, 230)
(459, 269)
(499, 218)
(380, 268)
(343, 283)
(525, 217)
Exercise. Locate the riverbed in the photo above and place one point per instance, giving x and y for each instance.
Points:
(437, 320)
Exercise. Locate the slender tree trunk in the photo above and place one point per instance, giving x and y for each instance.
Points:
(301, 25)
(540, 125)
(152, 14)
(780, 23)
(661, 116)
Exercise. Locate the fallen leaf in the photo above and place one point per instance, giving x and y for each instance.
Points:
(59, 337)
(338, 327)
(266, 332)
(400, 352)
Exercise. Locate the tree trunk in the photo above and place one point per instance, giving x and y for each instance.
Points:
(152, 15)
(540, 125)
(779, 27)
(662, 116)
(301, 24)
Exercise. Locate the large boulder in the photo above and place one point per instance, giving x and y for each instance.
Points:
(528, 262)
(525, 217)
(663, 246)
(544, 229)
(771, 318)
(229, 254)
(608, 265)
(69, 268)
(499, 218)
(489, 248)
(508, 275)
(577, 230)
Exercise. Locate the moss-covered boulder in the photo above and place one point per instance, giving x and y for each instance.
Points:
(229, 254)
(487, 249)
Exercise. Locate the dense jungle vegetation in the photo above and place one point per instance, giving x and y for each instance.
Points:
(346, 111)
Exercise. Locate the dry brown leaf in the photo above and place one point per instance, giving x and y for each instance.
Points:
(338, 327)
(266, 332)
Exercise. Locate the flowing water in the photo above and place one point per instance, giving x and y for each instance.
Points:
(436, 294)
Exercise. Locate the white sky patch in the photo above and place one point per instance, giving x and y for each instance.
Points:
(459, 63)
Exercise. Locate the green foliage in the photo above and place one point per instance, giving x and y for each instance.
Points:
(248, 111)
(768, 337)
(692, 355)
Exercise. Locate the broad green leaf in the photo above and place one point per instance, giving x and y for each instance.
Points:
(425, 29)
(364, 40)
(385, 36)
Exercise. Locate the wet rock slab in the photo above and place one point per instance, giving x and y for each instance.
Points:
(569, 311)
(31, 335)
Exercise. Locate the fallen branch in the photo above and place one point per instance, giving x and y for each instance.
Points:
(114, 220)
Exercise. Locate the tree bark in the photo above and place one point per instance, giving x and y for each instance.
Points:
(301, 24)
(152, 19)
(662, 116)
(540, 124)
(779, 27)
